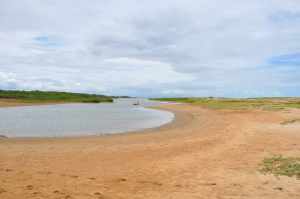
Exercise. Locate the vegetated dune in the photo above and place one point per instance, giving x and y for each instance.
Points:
(18, 98)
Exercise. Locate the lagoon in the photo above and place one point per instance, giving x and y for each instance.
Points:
(65, 120)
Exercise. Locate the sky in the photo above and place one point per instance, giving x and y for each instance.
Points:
(170, 48)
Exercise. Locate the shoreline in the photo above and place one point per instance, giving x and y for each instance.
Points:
(177, 120)
(5, 103)
(205, 153)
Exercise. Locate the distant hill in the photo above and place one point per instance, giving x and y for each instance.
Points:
(53, 96)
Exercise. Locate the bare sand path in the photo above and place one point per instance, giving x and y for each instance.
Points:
(203, 154)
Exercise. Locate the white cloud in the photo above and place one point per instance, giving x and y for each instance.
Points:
(190, 47)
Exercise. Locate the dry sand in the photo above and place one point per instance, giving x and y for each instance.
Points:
(203, 154)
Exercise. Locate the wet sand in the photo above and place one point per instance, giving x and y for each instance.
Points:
(203, 154)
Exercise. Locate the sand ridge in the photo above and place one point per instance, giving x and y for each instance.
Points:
(205, 153)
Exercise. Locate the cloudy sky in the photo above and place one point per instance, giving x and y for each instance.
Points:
(234, 48)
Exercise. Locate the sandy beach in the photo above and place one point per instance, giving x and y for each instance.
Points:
(204, 153)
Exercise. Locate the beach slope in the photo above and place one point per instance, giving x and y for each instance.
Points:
(204, 153)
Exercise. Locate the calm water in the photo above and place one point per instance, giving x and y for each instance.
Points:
(80, 119)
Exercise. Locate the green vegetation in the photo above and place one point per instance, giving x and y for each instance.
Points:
(227, 103)
(281, 166)
(52, 96)
(290, 121)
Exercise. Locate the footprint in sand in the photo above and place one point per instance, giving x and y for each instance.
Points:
(36, 193)
(208, 184)
(2, 190)
(121, 179)
(56, 192)
(278, 188)
(236, 185)
(29, 187)
(99, 195)
(151, 182)
(178, 185)
(62, 194)
(73, 176)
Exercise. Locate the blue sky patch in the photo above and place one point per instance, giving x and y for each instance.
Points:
(47, 41)
(287, 59)
(285, 17)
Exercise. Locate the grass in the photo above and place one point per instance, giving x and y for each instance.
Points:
(281, 166)
(291, 121)
(52, 96)
(227, 103)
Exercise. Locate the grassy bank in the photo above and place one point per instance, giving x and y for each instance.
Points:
(51, 96)
(281, 166)
(228, 103)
